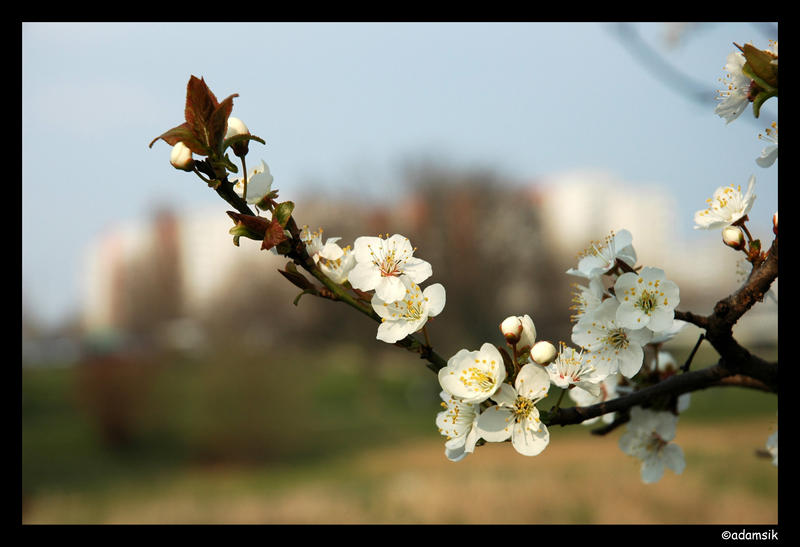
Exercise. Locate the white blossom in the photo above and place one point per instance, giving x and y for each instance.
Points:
(646, 299)
(575, 369)
(586, 299)
(734, 97)
(410, 313)
(319, 250)
(473, 376)
(770, 153)
(259, 183)
(648, 438)
(380, 263)
(338, 269)
(726, 206)
(515, 415)
(615, 348)
(772, 447)
(458, 422)
(602, 256)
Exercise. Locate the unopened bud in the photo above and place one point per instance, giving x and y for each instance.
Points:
(733, 237)
(543, 353)
(237, 127)
(511, 327)
(775, 223)
(181, 157)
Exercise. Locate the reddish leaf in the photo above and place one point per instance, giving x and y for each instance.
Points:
(218, 123)
(274, 235)
(257, 225)
(182, 133)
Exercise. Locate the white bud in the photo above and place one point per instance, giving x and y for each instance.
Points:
(511, 327)
(181, 157)
(236, 127)
(543, 353)
(733, 237)
(528, 336)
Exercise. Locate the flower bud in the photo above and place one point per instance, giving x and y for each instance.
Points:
(733, 237)
(237, 127)
(775, 223)
(543, 353)
(181, 157)
(511, 327)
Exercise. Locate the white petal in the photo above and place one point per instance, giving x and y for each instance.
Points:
(672, 456)
(528, 441)
(417, 269)
(435, 295)
(652, 470)
(630, 361)
(455, 454)
(494, 424)
(661, 319)
(631, 318)
(389, 289)
(331, 250)
(505, 395)
(362, 248)
(533, 381)
(364, 276)
(392, 331)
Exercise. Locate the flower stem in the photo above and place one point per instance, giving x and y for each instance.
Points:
(425, 333)
(244, 180)
(560, 397)
(741, 223)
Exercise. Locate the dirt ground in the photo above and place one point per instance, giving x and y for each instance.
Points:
(578, 479)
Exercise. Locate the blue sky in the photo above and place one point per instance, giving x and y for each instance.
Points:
(342, 106)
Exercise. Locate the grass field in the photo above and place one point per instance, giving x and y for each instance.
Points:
(220, 443)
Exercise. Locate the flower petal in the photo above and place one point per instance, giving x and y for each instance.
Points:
(528, 441)
(364, 276)
(494, 424)
(435, 296)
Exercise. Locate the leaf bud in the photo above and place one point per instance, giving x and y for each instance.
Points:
(775, 223)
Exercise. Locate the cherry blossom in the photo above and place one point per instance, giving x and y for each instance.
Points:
(602, 256)
(473, 376)
(515, 415)
(726, 206)
(380, 263)
(648, 438)
(409, 314)
(458, 422)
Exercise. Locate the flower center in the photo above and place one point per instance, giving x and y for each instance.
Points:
(477, 377)
(522, 408)
(388, 260)
(655, 443)
(617, 339)
(647, 301)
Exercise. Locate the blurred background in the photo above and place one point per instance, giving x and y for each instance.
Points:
(166, 374)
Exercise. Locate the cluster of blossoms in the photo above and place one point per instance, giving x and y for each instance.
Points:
(387, 266)
(491, 394)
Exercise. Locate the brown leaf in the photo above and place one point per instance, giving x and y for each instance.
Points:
(274, 235)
